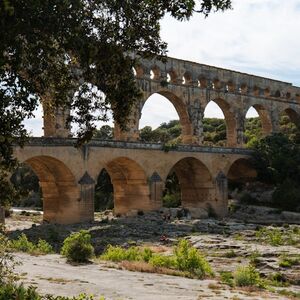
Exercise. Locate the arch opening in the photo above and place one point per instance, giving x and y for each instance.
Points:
(219, 124)
(104, 192)
(257, 124)
(242, 184)
(194, 183)
(289, 124)
(130, 188)
(59, 189)
(26, 181)
(164, 116)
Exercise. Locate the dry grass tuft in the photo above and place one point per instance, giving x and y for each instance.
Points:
(140, 266)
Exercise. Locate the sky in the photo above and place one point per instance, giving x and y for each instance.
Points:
(259, 37)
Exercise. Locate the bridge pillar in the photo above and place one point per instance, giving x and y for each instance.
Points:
(55, 121)
(221, 186)
(196, 114)
(131, 133)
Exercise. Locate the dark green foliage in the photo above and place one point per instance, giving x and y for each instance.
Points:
(104, 133)
(104, 198)
(12, 291)
(77, 247)
(277, 160)
(287, 195)
(27, 183)
(165, 133)
(75, 54)
(172, 192)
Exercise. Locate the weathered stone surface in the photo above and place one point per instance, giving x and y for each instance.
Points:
(198, 213)
(291, 216)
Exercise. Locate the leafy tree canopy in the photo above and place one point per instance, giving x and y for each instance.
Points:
(71, 53)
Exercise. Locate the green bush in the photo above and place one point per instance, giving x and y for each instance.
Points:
(115, 253)
(11, 291)
(24, 245)
(172, 200)
(188, 258)
(44, 247)
(246, 276)
(147, 254)
(227, 277)
(77, 247)
(162, 261)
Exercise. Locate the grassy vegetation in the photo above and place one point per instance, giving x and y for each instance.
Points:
(185, 258)
(288, 262)
(22, 244)
(277, 237)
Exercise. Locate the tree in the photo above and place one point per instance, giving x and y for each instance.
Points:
(76, 54)
(277, 160)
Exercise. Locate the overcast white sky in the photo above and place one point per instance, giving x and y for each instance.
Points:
(258, 36)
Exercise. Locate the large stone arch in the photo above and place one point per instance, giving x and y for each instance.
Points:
(181, 108)
(131, 190)
(61, 194)
(230, 121)
(293, 114)
(241, 169)
(196, 183)
(265, 118)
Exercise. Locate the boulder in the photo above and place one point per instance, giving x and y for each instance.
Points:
(198, 213)
(292, 217)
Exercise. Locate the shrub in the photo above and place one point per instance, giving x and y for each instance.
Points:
(246, 276)
(24, 245)
(11, 291)
(147, 254)
(44, 247)
(115, 253)
(227, 277)
(230, 254)
(162, 261)
(77, 247)
(188, 258)
(172, 200)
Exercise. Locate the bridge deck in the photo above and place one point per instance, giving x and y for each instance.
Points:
(71, 142)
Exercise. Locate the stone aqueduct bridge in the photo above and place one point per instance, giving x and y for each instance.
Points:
(138, 171)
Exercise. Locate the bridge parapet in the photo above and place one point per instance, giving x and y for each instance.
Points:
(71, 142)
(190, 74)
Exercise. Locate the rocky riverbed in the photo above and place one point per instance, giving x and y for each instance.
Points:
(273, 247)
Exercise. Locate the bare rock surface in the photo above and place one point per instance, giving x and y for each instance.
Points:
(51, 274)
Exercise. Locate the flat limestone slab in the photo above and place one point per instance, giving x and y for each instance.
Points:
(52, 275)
